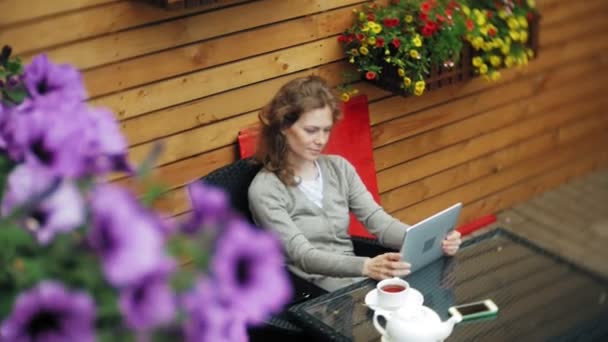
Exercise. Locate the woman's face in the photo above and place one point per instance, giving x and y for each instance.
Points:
(307, 137)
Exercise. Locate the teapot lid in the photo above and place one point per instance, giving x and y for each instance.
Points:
(417, 313)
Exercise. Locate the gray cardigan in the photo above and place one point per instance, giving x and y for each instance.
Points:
(316, 239)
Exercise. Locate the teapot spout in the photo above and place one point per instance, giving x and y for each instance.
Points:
(446, 327)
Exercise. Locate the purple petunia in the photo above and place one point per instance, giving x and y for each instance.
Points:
(46, 81)
(249, 264)
(60, 211)
(49, 312)
(128, 238)
(209, 320)
(149, 302)
(209, 206)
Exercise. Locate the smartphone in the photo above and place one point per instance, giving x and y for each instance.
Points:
(474, 310)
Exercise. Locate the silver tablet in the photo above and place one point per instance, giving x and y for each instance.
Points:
(422, 243)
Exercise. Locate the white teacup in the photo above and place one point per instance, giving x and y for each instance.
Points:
(392, 292)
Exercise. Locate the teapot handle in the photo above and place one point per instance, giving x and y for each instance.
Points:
(377, 325)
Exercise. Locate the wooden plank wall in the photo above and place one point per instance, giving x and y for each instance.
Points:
(192, 78)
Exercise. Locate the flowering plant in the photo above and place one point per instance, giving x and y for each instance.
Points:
(498, 31)
(404, 39)
(81, 259)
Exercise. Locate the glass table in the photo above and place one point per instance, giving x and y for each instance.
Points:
(540, 296)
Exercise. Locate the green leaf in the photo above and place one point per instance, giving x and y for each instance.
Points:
(16, 95)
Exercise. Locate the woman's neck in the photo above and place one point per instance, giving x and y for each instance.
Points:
(305, 169)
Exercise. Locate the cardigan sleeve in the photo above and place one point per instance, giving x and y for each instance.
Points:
(389, 230)
(268, 204)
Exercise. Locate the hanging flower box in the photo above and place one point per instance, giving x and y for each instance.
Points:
(409, 47)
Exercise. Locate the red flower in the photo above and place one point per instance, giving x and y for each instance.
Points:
(370, 75)
(371, 16)
(425, 7)
(396, 43)
(342, 38)
(489, 14)
(470, 25)
(448, 12)
(424, 16)
(491, 32)
(426, 31)
(530, 16)
(391, 22)
(440, 18)
(360, 37)
(380, 42)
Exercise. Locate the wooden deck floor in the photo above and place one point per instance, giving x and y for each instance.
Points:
(571, 221)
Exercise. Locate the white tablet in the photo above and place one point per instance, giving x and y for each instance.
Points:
(422, 243)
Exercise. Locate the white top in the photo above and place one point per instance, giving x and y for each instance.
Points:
(313, 189)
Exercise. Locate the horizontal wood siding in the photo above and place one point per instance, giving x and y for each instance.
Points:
(192, 78)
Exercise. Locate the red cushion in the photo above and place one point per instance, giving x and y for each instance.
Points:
(350, 138)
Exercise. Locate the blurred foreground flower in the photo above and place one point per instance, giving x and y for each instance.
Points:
(84, 260)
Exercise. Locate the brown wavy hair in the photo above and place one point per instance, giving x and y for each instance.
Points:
(294, 98)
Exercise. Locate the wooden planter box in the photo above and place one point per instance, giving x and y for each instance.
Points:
(440, 76)
(176, 4)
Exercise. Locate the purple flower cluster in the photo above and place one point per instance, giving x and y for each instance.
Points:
(54, 129)
(57, 141)
(248, 280)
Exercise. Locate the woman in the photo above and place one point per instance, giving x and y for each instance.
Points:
(306, 196)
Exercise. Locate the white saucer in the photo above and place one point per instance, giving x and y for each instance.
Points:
(414, 297)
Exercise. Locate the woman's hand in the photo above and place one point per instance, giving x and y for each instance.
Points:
(386, 266)
(451, 243)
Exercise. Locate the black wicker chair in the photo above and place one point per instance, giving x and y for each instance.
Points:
(235, 179)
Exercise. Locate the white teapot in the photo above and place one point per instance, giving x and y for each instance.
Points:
(414, 324)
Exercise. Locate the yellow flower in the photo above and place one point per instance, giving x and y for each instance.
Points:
(486, 46)
(354, 52)
(371, 40)
(523, 36)
(483, 69)
(477, 61)
(401, 72)
(365, 28)
(480, 20)
(494, 75)
(345, 97)
(495, 60)
(530, 53)
(466, 10)
(505, 49)
(387, 52)
(355, 91)
(523, 22)
(414, 54)
(407, 81)
(361, 16)
(477, 43)
(509, 61)
(417, 41)
(409, 18)
(531, 3)
(364, 51)
(484, 30)
(351, 60)
(418, 92)
(514, 35)
(387, 59)
(376, 28)
(512, 23)
(420, 85)
(502, 14)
